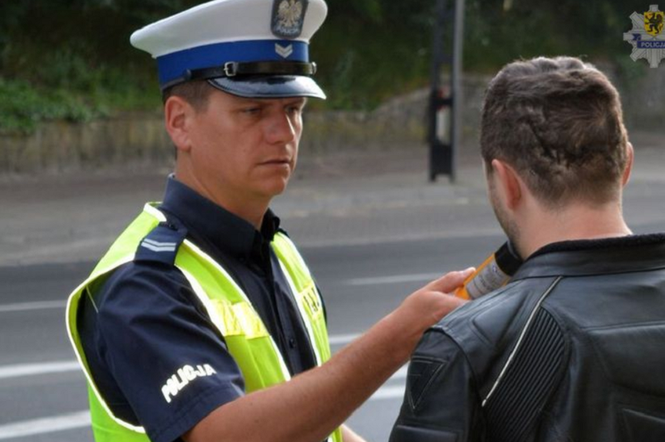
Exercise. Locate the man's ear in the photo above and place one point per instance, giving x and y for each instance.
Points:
(630, 156)
(177, 119)
(509, 183)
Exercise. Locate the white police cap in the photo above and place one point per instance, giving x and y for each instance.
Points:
(249, 48)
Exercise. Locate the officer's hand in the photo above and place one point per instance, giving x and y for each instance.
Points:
(426, 307)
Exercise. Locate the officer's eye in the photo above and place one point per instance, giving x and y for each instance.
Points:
(295, 108)
(251, 110)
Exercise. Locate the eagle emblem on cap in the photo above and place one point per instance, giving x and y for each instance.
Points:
(288, 17)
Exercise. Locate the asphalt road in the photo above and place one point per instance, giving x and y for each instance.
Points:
(370, 239)
(39, 380)
(361, 284)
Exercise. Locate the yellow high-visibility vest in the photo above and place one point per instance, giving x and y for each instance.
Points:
(245, 334)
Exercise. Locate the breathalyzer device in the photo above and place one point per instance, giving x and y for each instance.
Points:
(492, 274)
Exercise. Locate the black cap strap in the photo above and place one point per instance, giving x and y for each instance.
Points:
(233, 69)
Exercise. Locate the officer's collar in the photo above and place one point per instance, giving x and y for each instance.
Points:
(223, 229)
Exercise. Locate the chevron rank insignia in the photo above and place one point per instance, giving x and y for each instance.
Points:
(288, 17)
(283, 51)
(157, 246)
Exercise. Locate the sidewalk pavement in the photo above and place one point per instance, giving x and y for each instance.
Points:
(336, 198)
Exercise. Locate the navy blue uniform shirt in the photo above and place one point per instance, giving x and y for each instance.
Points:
(144, 323)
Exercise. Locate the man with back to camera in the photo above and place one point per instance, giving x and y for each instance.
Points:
(192, 323)
(572, 348)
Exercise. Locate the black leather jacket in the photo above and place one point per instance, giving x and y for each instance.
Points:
(573, 349)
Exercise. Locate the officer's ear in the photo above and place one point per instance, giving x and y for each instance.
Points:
(177, 118)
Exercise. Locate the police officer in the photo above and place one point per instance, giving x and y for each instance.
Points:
(191, 324)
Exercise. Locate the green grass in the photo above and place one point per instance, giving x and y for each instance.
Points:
(23, 107)
(67, 86)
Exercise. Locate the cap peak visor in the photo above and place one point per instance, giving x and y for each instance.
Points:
(273, 86)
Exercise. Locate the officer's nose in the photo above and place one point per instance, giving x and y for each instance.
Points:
(283, 128)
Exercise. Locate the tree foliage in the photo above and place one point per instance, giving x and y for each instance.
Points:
(367, 51)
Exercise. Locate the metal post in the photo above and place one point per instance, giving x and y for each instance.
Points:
(445, 100)
(456, 77)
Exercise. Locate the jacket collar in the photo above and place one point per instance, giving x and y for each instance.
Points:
(596, 256)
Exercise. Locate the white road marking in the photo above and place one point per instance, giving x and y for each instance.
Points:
(81, 419)
(391, 391)
(388, 393)
(49, 367)
(44, 425)
(376, 280)
(421, 277)
(37, 305)
(20, 370)
(342, 339)
(400, 374)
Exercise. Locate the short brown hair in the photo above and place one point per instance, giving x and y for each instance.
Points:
(558, 122)
(195, 92)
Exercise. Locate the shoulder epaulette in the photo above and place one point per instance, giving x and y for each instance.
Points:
(161, 244)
